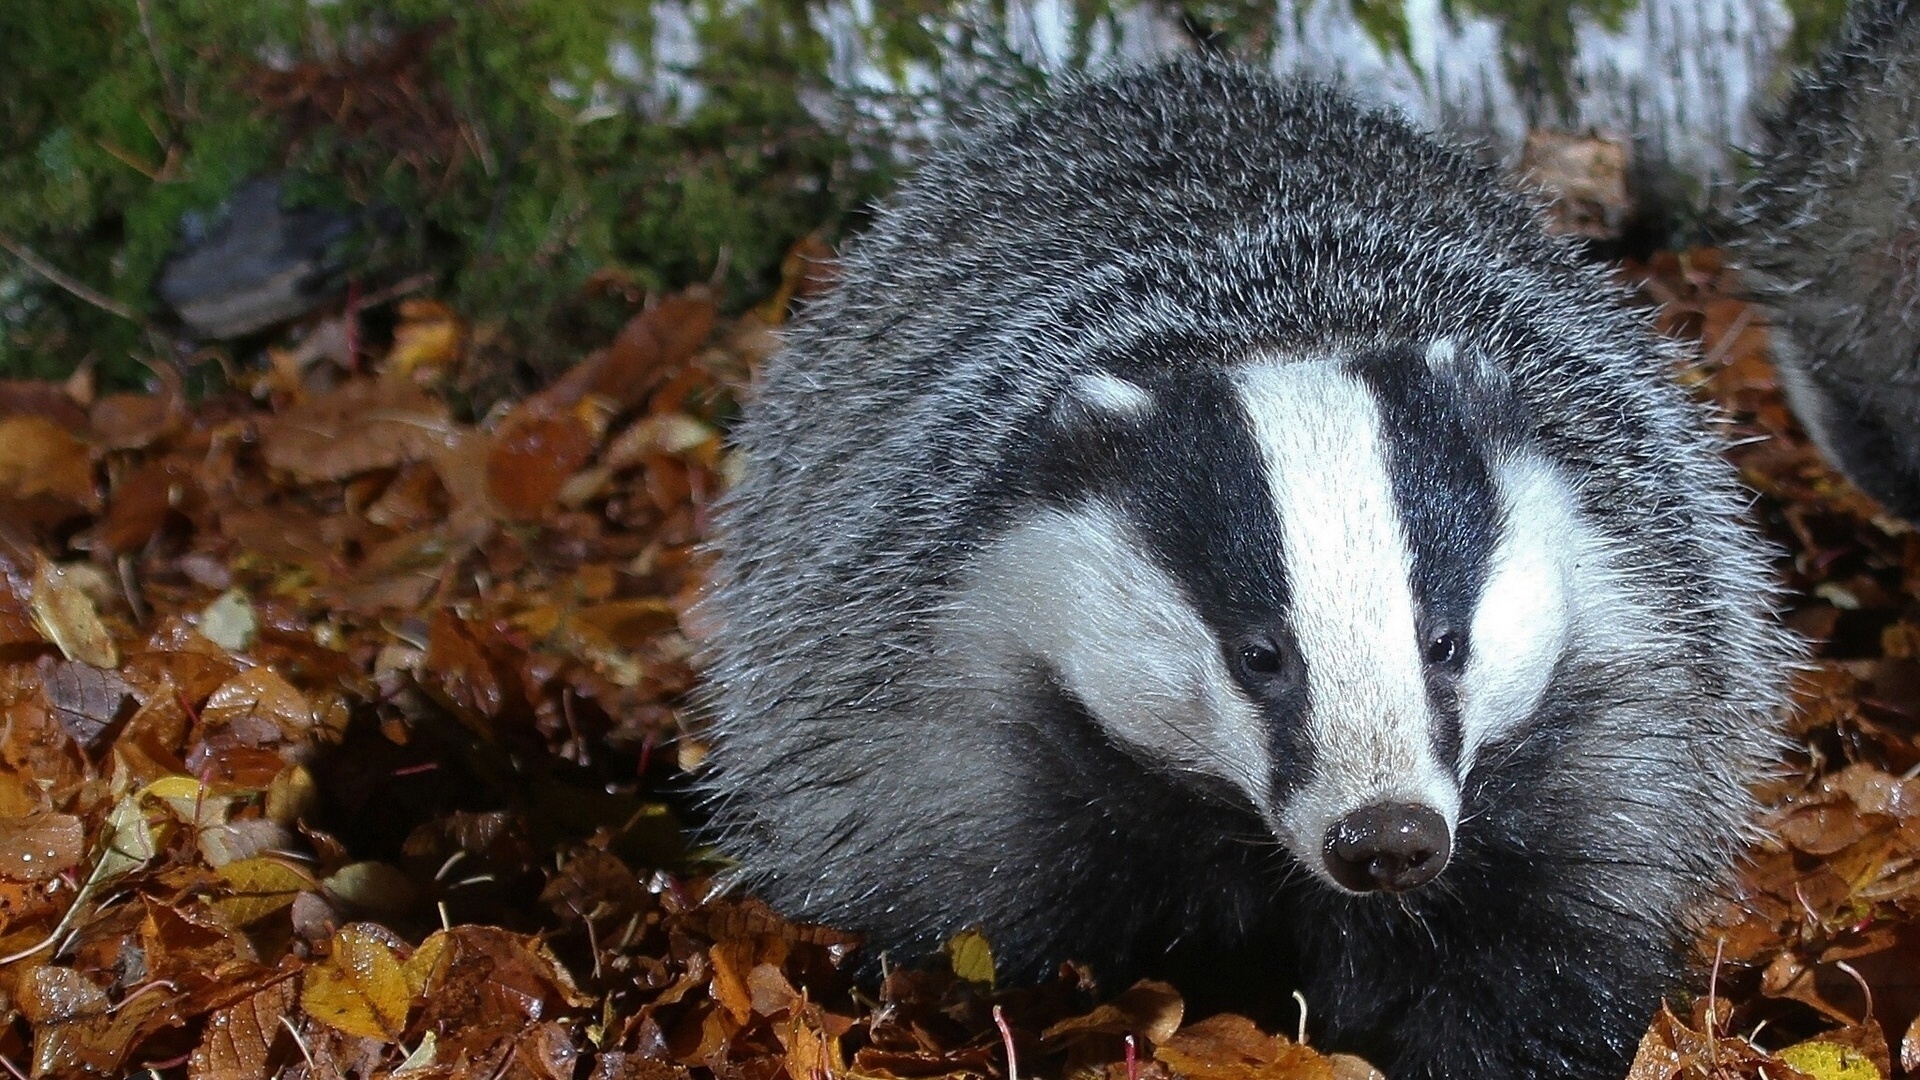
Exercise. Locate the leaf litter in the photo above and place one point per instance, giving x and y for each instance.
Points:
(338, 735)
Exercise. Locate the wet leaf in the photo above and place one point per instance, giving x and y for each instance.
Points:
(40, 847)
(84, 698)
(65, 615)
(239, 1040)
(260, 887)
(361, 986)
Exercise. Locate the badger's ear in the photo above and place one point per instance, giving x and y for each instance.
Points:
(1097, 396)
(1479, 385)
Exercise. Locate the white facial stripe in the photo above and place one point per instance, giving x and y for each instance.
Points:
(1112, 394)
(1520, 626)
(1352, 606)
(1073, 590)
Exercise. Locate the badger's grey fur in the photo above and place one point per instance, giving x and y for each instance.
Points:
(1829, 232)
(1202, 503)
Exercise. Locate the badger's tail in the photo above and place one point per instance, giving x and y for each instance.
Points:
(1829, 237)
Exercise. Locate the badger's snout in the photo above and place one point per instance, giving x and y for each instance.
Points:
(1388, 846)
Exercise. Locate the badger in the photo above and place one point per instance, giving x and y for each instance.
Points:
(1828, 232)
(1208, 528)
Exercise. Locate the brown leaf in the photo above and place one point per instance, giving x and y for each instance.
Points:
(363, 426)
(39, 457)
(41, 847)
(1671, 1050)
(1149, 1010)
(646, 352)
(486, 971)
(261, 708)
(238, 1041)
(1229, 1047)
(532, 459)
(135, 421)
(458, 668)
(85, 699)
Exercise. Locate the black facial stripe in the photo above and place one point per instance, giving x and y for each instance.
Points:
(1191, 482)
(1438, 449)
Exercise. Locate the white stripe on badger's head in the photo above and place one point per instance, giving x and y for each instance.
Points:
(1521, 625)
(1353, 613)
(1110, 393)
(1074, 588)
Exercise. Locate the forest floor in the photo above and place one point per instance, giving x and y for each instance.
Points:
(340, 736)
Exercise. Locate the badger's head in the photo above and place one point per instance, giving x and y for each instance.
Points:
(1328, 586)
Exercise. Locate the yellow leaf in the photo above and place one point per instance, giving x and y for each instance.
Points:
(191, 801)
(291, 796)
(429, 335)
(1829, 1061)
(259, 887)
(175, 787)
(971, 956)
(361, 987)
(420, 966)
(64, 614)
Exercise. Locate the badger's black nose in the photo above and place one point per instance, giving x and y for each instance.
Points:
(1391, 846)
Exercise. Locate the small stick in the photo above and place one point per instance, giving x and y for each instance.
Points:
(73, 285)
(1006, 1037)
(1133, 1060)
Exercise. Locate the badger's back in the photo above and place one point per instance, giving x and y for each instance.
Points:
(1117, 293)
(1829, 235)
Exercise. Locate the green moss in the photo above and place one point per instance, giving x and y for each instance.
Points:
(1814, 24)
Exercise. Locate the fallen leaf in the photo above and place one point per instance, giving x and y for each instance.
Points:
(260, 887)
(1229, 1047)
(1824, 1060)
(360, 987)
(229, 621)
(40, 847)
(238, 1041)
(84, 698)
(39, 457)
(531, 461)
(261, 707)
(428, 336)
(971, 956)
(64, 614)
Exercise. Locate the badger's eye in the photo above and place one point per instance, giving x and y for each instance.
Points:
(1264, 662)
(1447, 649)
(1261, 658)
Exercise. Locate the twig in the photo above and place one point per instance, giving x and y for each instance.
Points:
(54, 274)
(395, 291)
(1133, 1060)
(1302, 999)
(299, 1042)
(159, 61)
(1006, 1036)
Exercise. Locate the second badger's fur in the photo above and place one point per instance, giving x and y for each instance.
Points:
(1829, 233)
(1209, 525)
